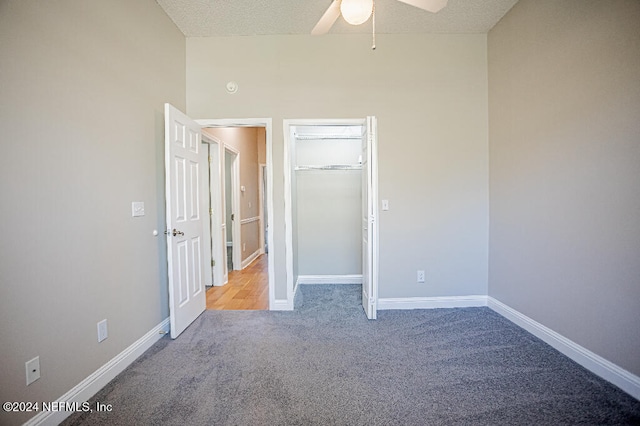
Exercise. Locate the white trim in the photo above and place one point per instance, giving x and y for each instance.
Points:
(249, 220)
(236, 230)
(205, 208)
(372, 207)
(288, 211)
(329, 279)
(215, 204)
(609, 371)
(249, 260)
(281, 305)
(262, 169)
(87, 388)
(208, 138)
(432, 302)
(267, 123)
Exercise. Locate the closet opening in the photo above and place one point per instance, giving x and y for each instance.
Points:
(330, 205)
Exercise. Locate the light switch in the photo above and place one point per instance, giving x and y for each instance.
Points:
(137, 208)
(385, 205)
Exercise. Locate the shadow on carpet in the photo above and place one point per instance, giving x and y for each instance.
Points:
(326, 364)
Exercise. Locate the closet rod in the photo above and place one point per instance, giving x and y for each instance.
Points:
(331, 167)
(309, 137)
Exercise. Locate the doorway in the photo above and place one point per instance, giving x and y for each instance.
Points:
(239, 181)
(331, 205)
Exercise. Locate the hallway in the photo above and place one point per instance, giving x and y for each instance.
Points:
(246, 290)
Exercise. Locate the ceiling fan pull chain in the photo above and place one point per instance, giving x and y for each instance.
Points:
(373, 47)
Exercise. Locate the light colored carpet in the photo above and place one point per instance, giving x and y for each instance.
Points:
(326, 364)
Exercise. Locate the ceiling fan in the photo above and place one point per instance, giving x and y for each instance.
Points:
(357, 12)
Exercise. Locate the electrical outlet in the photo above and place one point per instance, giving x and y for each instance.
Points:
(420, 276)
(103, 331)
(244, 246)
(33, 370)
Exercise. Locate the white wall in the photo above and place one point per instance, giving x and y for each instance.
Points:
(564, 80)
(429, 93)
(82, 86)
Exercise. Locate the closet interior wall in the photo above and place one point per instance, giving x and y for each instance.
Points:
(327, 188)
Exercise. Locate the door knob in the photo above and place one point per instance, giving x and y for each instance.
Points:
(175, 232)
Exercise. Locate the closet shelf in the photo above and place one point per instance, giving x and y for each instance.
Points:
(326, 136)
(330, 167)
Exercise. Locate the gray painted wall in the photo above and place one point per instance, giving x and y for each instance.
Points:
(429, 93)
(81, 111)
(564, 103)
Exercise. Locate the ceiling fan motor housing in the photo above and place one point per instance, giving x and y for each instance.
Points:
(356, 12)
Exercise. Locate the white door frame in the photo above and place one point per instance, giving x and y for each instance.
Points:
(267, 124)
(218, 226)
(370, 220)
(262, 168)
(236, 231)
(289, 149)
(213, 209)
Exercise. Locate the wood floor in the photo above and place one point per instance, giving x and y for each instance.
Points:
(246, 290)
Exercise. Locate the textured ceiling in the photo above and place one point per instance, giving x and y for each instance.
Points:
(206, 18)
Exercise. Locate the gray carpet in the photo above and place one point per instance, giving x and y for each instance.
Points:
(326, 364)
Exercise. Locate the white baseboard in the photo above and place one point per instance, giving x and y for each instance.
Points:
(609, 371)
(432, 302)
(281, 305)
(84, 390)
(250, 259)
(329, 279)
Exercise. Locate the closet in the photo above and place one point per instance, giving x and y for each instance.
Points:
(330, 219)
(328, 202)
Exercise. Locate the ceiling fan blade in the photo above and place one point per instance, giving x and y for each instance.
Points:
(432, 6)
(328, 19)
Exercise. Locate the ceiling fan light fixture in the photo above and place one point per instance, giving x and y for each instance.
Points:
(356, 12)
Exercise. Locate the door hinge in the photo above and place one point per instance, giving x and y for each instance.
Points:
(213, 262)
(210, 212)
(210, 159)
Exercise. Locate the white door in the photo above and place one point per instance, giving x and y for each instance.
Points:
(185, 220)
(370, 219)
